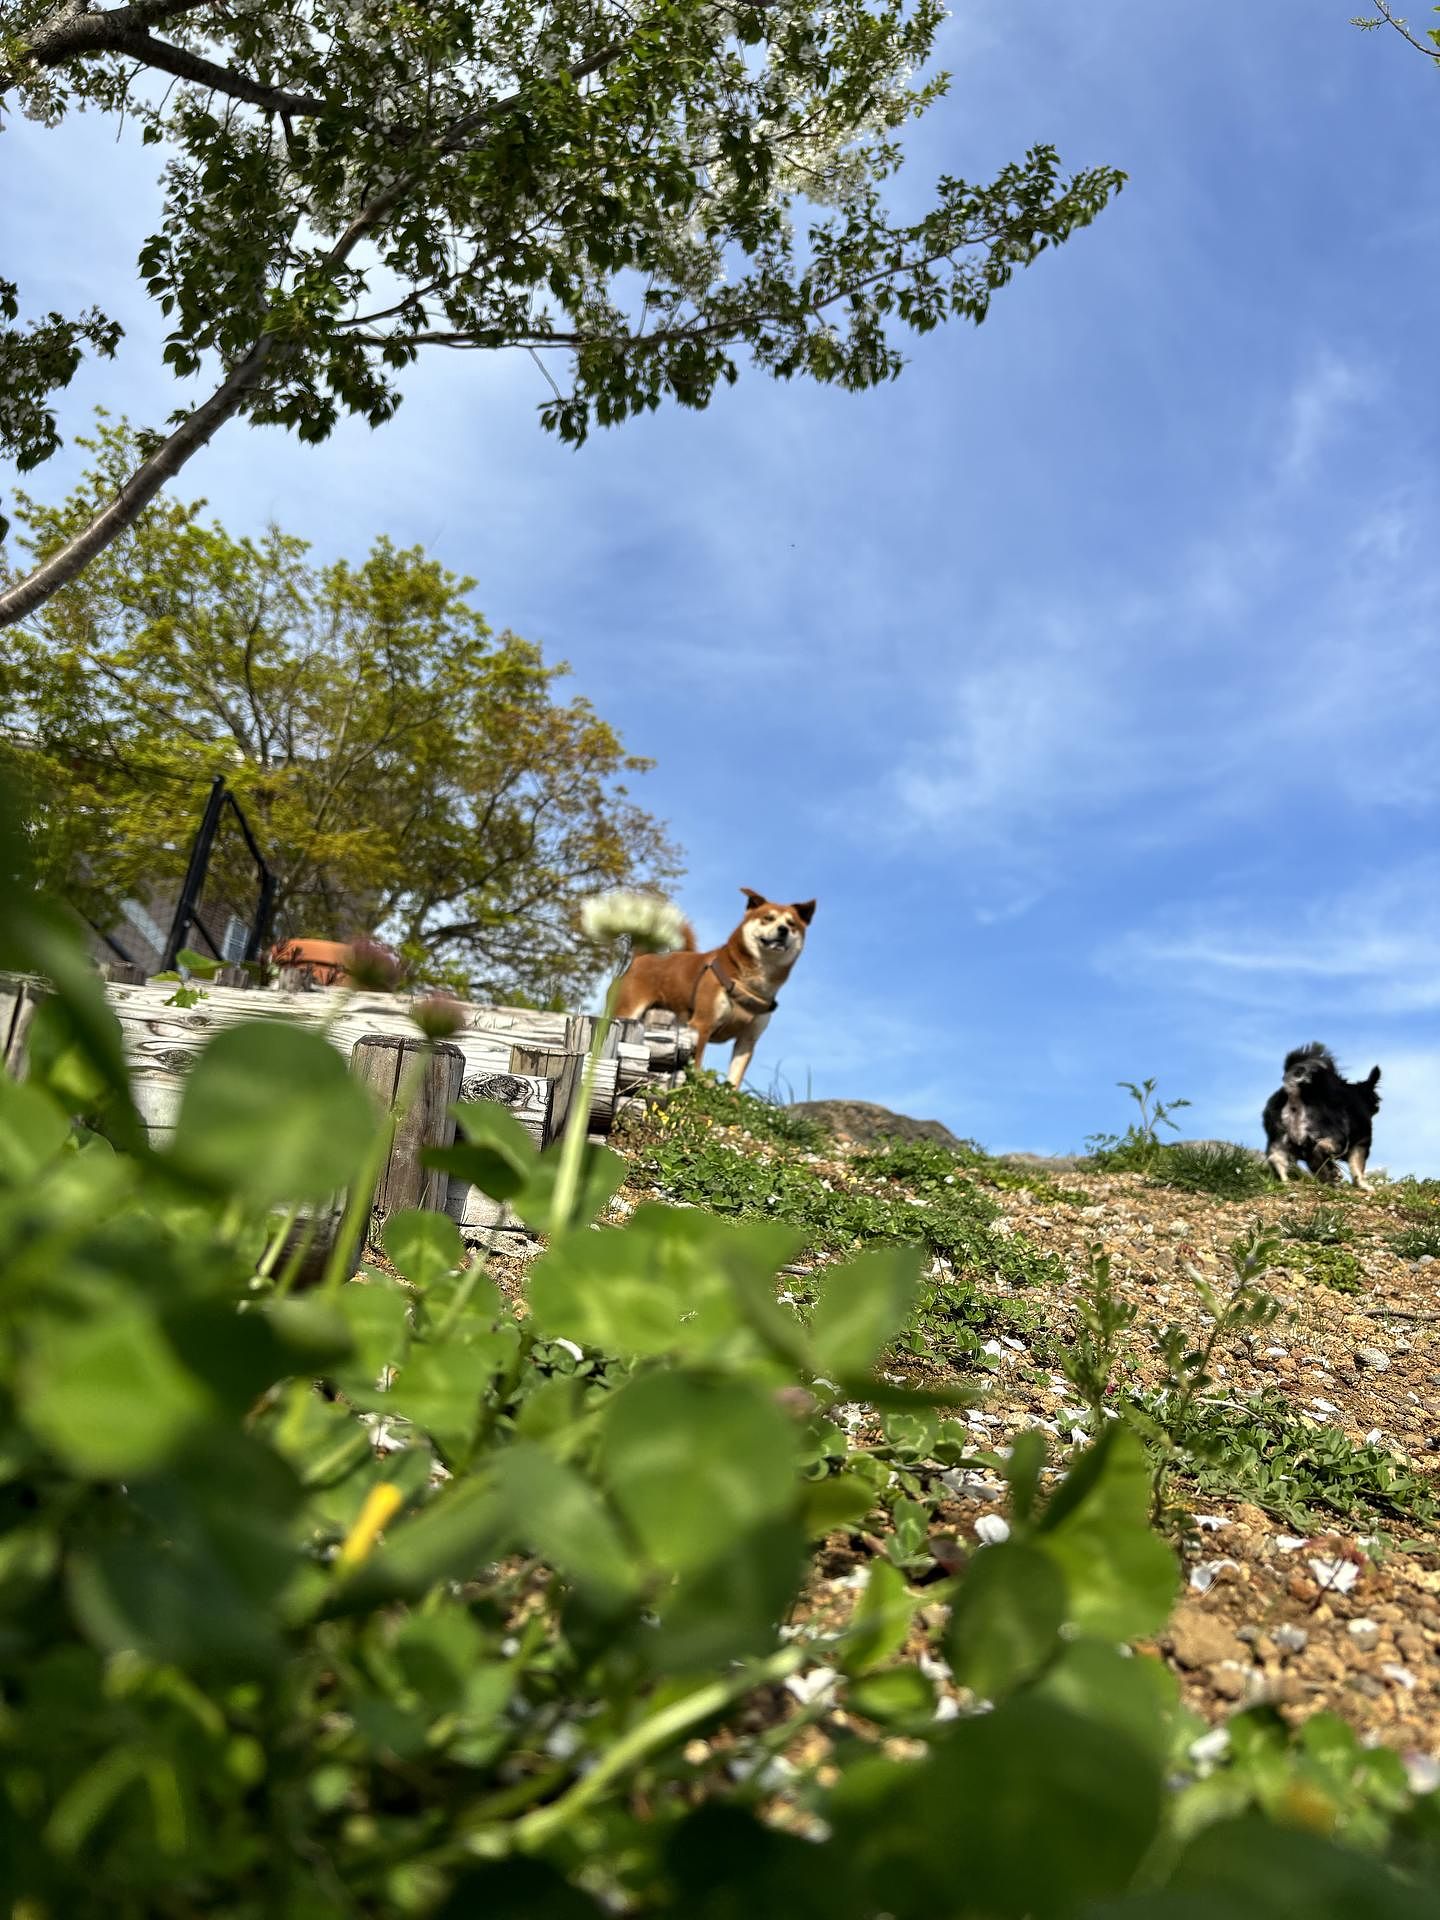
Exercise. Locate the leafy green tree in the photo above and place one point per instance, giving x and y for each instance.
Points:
(405, 769)
(639, 191)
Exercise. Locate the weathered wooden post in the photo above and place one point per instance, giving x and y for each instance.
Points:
(564, 1064)
(20, 995)
(123, 973)
(383, 1062)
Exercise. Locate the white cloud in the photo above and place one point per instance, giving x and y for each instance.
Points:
(1331, 388)
(1373, 948)
(1029, 729)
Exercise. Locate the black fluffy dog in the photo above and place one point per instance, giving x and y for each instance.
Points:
(1320, 1118)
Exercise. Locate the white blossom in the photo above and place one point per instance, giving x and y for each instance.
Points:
(651, 924)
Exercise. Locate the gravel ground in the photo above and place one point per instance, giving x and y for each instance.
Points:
(1341, 1615)
(1340, 1620)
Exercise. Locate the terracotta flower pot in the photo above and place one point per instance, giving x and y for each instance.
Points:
(323, 960)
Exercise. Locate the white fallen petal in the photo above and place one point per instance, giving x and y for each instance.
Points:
(576, 1353)
(1401, 1677)
(1210, 1747)
(1291, 1542)
(1423, 1770)
(811, 1684)
(990, 1529)
(971, 1486)
(1210, 1522)
(1334, 1576)
(1204, 1575)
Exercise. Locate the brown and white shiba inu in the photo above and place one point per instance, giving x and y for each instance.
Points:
(729, 992)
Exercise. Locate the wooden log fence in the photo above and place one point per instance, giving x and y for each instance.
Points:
(530, 1061)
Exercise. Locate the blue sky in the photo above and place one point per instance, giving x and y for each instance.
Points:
(1087, 675)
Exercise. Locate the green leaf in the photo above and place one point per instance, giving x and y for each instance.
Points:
(269, 1113)
(37, 937)
(33, 1130)
(557, 1514)
(602, 1174)
(1057, 1811)
(201, 965)
(197, 1581)
(1137, 1695)
(862, 1306)
(1247, 1869)
(108, 1393)
(663, 1285)
(728, 1609)
(497, 1154)
(426, 1247)
(238, 1355)
(899, 1697)
(515, 1889)
(1005, 1621)
(453, 1537)
(375, 1312)
(1022, 1471)
(441, 1390)
(693, 1463)
(881, 1623)
(839, 1500)
(725, 1864)
(1120, 1577)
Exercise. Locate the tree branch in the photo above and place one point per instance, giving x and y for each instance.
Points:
(185, 65)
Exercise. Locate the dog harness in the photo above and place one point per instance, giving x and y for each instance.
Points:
(750, 1002)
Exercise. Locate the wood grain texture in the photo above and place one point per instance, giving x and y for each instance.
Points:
(386, 1065)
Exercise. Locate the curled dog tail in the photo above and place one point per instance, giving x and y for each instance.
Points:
(689, 946)
(1371, 1084)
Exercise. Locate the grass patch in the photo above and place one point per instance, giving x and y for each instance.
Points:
(1214, 1167)
(1321, 1227)
(1329, 1265)
(711, 1102)
(1413, 1243)
(928, 1168)
(680, 1151)
(1416, 1199)
(1260, 1449)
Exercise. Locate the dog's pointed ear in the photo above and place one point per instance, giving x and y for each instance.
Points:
(752, 899)
(1373, 1077)
(806, 910)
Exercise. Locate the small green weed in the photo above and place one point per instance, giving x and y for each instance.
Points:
(1322, 1227)
(684, 1157)
(922, 1165)
(715, 1102)
(1128, 1152)
(1259, 1448)
(1135, 1150)
(1190, 1368)
(1336, 1267)
(1214, 1166)
(1017, 1180)
(927, 1168)
(1413, 1243)
(1154, 1112)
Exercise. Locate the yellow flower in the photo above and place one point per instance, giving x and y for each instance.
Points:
(382, 1503)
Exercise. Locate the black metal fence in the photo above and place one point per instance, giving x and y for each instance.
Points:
(227, 897)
